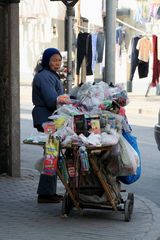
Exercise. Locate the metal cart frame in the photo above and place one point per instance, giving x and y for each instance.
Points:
(114, 200)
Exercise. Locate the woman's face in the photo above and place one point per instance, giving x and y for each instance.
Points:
(55, 62)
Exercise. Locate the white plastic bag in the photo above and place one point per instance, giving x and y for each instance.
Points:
(129, 157)
(92, 95)
(39, 164)
(109, 139)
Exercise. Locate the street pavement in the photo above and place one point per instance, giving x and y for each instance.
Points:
(22, 218)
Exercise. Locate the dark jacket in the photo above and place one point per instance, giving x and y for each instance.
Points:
(46, 87)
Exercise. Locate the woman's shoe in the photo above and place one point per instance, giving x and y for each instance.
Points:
(48, 199)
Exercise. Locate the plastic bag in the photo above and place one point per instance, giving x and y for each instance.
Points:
(39, 164)
(92, 95)
(49, 127)
(109, 139)
(129, 157)
(118, 93)
(134, 177)
(51, 156)
(112, 161)
(68, 110)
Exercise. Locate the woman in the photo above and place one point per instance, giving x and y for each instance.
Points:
(46, 87)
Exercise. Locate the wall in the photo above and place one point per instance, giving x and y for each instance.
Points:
(37, 19)
(35, 36)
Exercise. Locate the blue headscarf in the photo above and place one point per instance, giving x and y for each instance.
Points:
(47, 54)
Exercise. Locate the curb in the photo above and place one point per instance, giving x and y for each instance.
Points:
(154, 232)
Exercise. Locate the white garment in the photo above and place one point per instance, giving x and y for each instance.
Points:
(92, 10)
(41, 9)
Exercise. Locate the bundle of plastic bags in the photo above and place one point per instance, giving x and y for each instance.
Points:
(123, 161)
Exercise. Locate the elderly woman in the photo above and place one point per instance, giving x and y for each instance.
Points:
(46, 87)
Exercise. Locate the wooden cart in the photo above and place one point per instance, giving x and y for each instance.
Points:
(95, 189)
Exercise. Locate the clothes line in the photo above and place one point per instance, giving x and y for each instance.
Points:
(89, 29)
(101, 28)
(130, 26)
(80, 27)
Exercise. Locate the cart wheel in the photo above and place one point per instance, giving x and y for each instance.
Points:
(128, 209)
(67, 205)
(131, 197)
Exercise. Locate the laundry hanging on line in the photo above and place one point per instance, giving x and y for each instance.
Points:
(141, 49)
(89, 46)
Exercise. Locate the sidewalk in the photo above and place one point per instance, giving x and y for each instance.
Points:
(141, 104)
(22, 218)
(143, 111)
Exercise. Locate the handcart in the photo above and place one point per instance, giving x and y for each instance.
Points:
(93, 189)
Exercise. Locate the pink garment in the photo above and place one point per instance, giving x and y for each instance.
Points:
(153, 10)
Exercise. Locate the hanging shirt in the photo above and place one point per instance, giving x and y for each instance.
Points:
(145, 47)
(94, 50)
(158, 43)
(156, 62)
(133, 55)
(100, 46)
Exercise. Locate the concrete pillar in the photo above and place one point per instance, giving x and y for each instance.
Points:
(9, 90)
(4, 93)
(13, 23)
(70, 15)
(110, 41)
